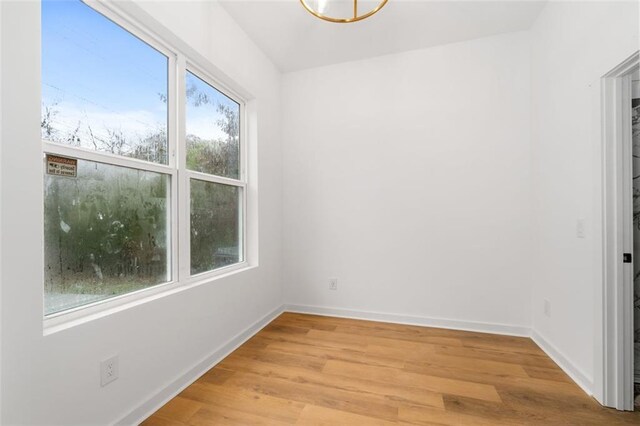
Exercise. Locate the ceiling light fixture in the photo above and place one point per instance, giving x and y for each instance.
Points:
(318, 7)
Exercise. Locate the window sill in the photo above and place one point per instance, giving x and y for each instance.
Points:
(84, 314)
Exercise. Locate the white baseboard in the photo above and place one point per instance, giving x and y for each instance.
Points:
(168, 392)
(481, 327)
(577, 375)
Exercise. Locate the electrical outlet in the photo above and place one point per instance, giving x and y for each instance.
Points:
(109, 370)
(547, 308)
(333, 283)
(580, 231)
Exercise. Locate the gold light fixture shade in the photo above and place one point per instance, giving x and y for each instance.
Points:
(317, 9)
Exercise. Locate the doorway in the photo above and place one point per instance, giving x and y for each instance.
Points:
(614, 350)
(635, 137)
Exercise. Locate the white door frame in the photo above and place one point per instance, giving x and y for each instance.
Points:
(613, 380)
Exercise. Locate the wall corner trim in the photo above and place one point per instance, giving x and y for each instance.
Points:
(168, 392)
(577, 375)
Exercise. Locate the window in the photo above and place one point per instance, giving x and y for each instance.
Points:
(213, 154)
(106, 233)
(215, 225)
(213, 130)
(103, 89)
(117, 171)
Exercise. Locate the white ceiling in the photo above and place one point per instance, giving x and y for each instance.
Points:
(294, 39)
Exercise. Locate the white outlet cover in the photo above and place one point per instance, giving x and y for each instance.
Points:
(109, 370)
(580, 228)
(333, 283)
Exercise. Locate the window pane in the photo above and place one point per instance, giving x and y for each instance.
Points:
(102, 88)
(106, 233)
(213, 130)
(215, 226)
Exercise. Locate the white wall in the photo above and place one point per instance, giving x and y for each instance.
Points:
(54, 379)
(412, 178)
(573, 45)
(407, 177)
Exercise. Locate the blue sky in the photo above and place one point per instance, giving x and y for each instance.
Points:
(99, 74)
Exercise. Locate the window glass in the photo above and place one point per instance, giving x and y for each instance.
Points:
(213, 130)
(102, 88)
(106, 233)
(215, 226)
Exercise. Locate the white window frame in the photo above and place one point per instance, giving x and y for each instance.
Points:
(179, 258)
(185, 242)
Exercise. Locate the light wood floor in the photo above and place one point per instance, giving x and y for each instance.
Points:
(312, 370)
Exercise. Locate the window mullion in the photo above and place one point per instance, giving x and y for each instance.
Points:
(172, 139)
(184, 201)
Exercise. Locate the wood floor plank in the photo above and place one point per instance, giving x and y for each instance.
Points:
(284, 328)
(449, 337)
(344, 400)
(213, 415)
(244, 401)
(546, 373)
(426, 416)
(501, 379)
(401, 355)
(321, 416)
(569, 409)
(157, 420)
(462, 363)
(283, 358)
(393, 393)
(498, 355)
(453, 339)
(366, 339)
(216, 376)
(179, 409)
(276, 335)
(519, 346)
(490, 411)
(304, 322)
(314, 370)
(237, 362)
(325, 354)
(431, 383)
